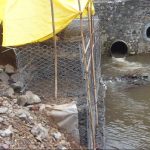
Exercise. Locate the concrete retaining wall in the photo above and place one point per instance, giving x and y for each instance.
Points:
(125, 20)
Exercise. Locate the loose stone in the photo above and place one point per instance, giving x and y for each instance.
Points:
(3, 110)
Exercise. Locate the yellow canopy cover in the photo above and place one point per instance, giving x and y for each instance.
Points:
(28, 21)
(2, 6)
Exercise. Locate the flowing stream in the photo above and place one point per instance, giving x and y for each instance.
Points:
(127, 102)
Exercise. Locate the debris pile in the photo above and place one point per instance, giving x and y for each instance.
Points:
(22, 124)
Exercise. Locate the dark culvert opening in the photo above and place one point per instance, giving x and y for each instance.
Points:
(148, 32)
(6, 57)
(119, 49)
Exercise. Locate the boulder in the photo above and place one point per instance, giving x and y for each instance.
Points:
(4, 77)
(6, 90)
(4, 146)
(9, 92)
(1, 68)
(7, 132)
(22, 100)
(24, 115)
(32, 98)
(39, 132)
(57, 135)
(20, 77)
(15, 77)
(28, 99)
(18, 86)
(9, 69)
(3, 110)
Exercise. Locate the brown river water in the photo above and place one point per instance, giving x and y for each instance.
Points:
(127, 102)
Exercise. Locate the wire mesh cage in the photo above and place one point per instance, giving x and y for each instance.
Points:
(35, 63)
(36, 68)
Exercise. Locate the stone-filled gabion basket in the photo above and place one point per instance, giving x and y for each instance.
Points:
(35, 64)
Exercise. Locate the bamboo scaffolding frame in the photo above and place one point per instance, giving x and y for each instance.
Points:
(90, 63)
(95, 88)
(92, 113)
(90, 19)
(84, 49)
(55, 49)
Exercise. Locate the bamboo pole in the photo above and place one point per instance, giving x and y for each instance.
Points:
(84, 48)
(95, 88)
(55, 48)
(94, 74)
(90, 18)
(92, 61)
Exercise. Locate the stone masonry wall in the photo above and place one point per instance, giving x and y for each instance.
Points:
(125, 20)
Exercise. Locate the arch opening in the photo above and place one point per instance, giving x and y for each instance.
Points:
(148, 32)
(119, 49)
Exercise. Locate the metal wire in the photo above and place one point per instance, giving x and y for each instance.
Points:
(36, 64)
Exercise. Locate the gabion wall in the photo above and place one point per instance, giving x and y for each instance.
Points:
(36, 63)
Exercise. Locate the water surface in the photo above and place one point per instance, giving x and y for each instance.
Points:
(127, 102)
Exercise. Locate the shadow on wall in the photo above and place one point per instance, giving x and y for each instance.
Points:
(7, 57)
(119, 49)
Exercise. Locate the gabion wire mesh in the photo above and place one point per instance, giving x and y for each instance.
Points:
(35, 63)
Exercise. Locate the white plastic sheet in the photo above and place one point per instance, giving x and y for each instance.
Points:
(66, 117)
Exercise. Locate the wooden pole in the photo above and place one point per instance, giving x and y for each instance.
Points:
(87, 78)
(93, 60)
(55, 47)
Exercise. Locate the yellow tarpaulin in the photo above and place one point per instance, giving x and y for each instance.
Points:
(2, 6)
(28, 21)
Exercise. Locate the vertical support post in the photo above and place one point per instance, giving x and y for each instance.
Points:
(92, 137)
(90, 18)
(55, 48)
(90, 23)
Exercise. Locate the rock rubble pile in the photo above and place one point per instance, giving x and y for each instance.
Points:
(22, 124)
